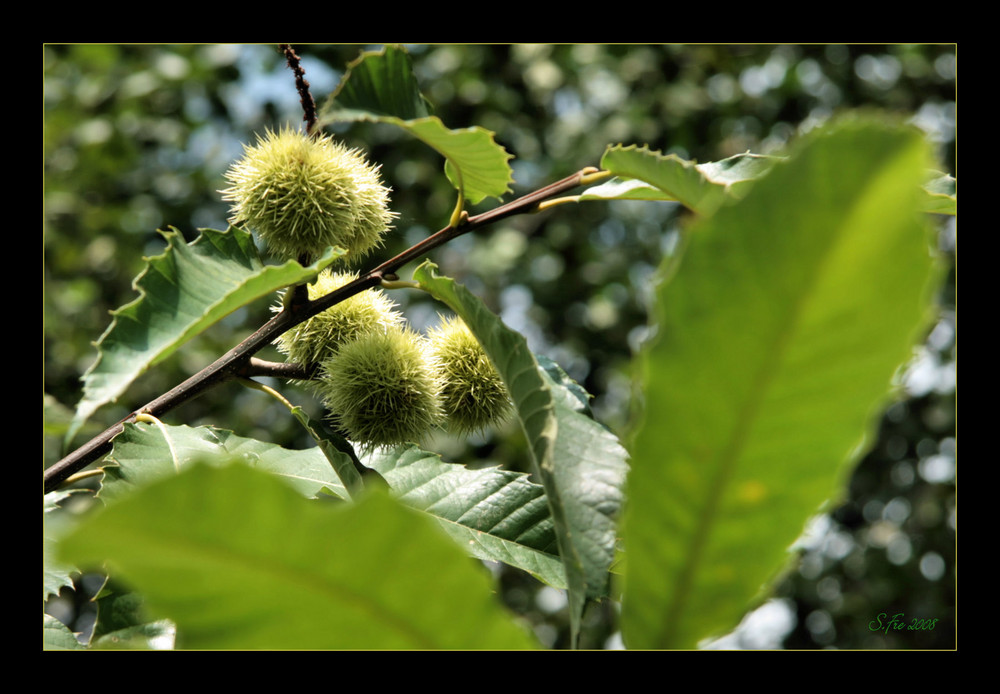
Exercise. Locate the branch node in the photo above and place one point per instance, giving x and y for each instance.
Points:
(590, 175)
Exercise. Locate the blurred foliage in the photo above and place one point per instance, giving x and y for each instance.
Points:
(137, 138)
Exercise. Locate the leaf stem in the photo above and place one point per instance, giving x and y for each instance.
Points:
(257, 385)
(458, 214)
(592, 175)
(86, 474)
(150, 419)
(400, 284)
(558, 201)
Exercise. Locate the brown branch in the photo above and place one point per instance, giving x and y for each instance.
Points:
(273, 369)
(237, 361)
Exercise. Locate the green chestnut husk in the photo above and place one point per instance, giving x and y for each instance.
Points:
(381, 388)
(303, 193)
(473, 395)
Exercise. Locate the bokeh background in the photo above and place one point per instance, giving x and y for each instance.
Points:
(137, 137)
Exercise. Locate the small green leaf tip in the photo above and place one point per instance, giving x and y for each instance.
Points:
(302, 194)
(318, 338)
(473, 396)
(381, 388)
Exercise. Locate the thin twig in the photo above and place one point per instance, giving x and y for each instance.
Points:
(305, 96)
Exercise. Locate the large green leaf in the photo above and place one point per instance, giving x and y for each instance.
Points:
(579, 463)
(776, 341)
(509, 524)
(642, 174)
(181, 293)
(144, 453)
(496, 514)
(380, 86)
(238, 560)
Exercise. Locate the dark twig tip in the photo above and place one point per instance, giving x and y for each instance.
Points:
(305, 96)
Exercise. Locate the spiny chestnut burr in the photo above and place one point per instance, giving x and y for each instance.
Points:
(381, 389)
(301, 194)
(473, 395)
